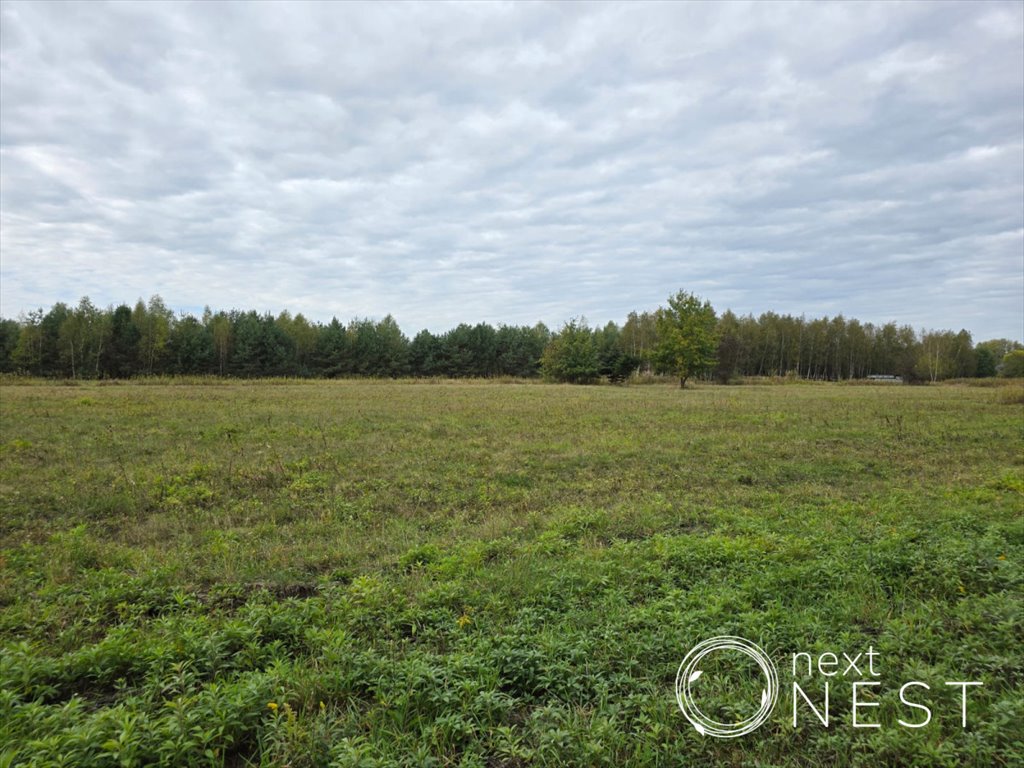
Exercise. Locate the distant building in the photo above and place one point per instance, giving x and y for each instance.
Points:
(885, 377)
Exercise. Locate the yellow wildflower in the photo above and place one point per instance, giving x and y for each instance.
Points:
(272, 706)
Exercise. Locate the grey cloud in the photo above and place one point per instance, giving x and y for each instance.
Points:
(516, 162)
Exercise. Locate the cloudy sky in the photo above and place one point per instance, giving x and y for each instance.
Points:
(517, 162)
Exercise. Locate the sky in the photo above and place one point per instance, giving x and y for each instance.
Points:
(517, 162)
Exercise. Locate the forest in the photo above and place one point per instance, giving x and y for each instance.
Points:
(150, 339)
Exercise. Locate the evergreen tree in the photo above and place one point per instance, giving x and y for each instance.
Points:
(331, 355)
(121, 358)
(424, 354)
(190, 346)
(9, 333)
(571, 356)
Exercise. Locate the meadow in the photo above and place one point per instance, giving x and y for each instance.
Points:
(417, 573)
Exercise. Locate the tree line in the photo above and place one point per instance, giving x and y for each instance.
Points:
(685, 339)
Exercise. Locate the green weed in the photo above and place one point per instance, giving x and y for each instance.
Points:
(477, 574)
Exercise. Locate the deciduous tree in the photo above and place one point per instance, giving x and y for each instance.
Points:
(687, 342)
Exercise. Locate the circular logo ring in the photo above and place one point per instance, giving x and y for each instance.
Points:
(689, 672)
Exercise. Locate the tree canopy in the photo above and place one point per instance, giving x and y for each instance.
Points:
(686, 340)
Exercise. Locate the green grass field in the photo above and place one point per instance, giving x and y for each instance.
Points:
(483, 574)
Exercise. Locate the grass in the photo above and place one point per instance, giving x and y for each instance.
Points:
(477, 574)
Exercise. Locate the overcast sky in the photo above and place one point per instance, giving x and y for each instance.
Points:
(517, 162)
